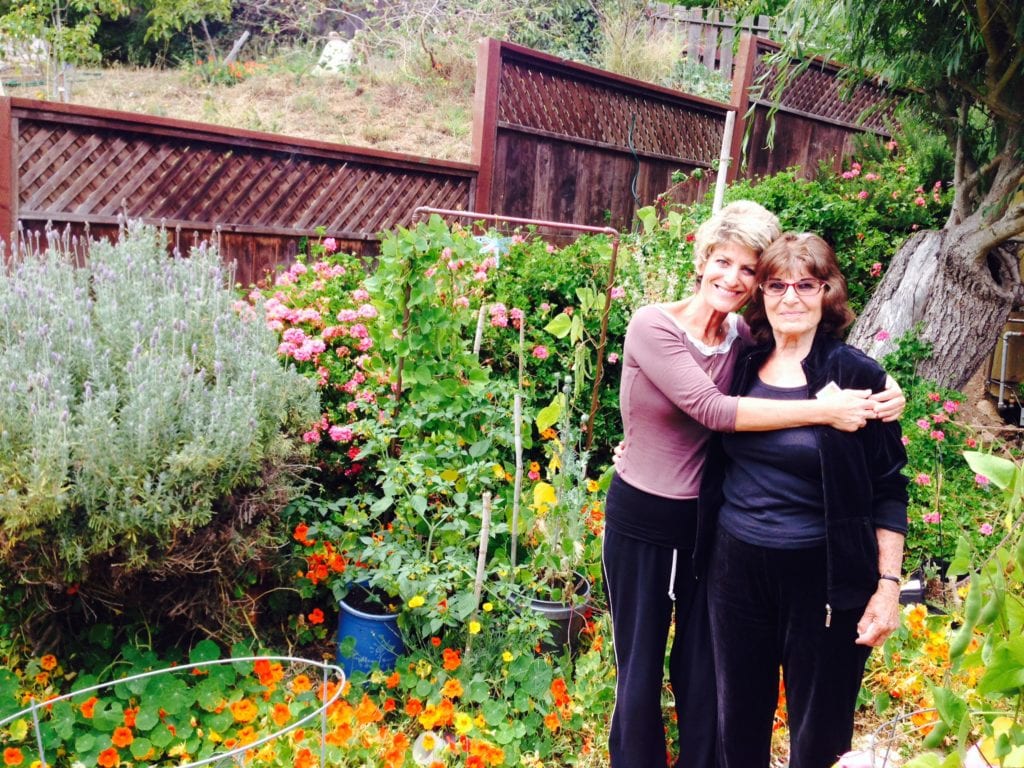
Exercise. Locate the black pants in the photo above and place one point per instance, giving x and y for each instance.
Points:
(637, 579)
(768, 609)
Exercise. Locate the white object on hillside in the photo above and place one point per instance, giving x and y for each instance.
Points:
(20, 53)
(338, 56)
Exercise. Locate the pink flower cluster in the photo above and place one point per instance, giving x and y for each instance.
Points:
(336, 432)
(295, 343)
(501, 315)
(853, 173)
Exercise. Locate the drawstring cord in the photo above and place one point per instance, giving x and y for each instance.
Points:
(672, 576)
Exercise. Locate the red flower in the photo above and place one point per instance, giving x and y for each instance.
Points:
(13, 756)
(436, 642)
(316, 616)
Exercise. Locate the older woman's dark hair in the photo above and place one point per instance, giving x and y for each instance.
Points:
(803, 254)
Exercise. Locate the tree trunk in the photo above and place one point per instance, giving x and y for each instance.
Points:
(959, 297)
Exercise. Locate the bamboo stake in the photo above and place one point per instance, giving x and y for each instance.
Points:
(517, 432)
(478, 338)
(481, 562)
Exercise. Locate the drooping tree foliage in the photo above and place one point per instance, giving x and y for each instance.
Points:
(962, 65)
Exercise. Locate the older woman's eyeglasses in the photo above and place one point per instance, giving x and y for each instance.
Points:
(802, 287)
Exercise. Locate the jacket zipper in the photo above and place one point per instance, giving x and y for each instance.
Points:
(828, 553)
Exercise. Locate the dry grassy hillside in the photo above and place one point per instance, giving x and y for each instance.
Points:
(375, 106)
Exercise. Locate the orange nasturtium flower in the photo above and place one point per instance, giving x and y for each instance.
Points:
(108, 758)
(13, 756)
(367, 712)
(244, 711)
(88, 706)
(452, 659)
(304, 758)
(452, 688)
(551, 721)
(281, 714)
(301, 684)
(122, 737)
(48, 662)
(316, 616)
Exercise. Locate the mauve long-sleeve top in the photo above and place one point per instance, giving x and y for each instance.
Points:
(670, 398)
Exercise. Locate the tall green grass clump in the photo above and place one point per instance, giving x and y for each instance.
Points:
(147, 431)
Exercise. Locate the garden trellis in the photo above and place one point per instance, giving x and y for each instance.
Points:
(237, 753)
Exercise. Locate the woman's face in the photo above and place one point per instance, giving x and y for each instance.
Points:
(793, 314)
(728, 276)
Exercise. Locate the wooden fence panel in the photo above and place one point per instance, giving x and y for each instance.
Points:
(262, 193)
(815, 120)
(573, 142)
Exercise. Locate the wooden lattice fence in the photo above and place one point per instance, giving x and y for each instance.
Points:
(816, 120)
(552, 140)
(85, 167)
(560, 140)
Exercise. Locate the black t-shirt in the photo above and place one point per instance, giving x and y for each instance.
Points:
(773, 486)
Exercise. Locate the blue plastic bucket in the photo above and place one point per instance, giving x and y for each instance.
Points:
(376, 638)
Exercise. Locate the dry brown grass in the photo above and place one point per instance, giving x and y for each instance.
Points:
(376, 106)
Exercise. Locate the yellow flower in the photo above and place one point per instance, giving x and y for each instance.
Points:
(474, 627)
(499, 471)
(463, 723)
(488, 607)
(543, 497)
(416, 601)
(506, 656)
(423, 668)
(592, 486)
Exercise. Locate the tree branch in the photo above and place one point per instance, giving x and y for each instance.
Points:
(1010, 226)
(1010, 75)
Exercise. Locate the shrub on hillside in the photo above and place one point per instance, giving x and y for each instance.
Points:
(146, 430)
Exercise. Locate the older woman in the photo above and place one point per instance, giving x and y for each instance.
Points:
(805, 568)
(676, 358)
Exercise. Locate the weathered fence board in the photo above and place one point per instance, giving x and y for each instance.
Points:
(709, 35)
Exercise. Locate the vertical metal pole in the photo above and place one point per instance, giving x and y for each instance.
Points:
(39, 734)
(323, 726)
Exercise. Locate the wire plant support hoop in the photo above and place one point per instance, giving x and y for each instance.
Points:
(603, 340)
(330, 671)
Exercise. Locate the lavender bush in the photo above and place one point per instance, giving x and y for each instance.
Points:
(140, 404)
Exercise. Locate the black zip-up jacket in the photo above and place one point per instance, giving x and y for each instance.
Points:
(864, 488)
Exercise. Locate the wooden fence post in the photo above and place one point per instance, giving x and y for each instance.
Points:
(485, 119)
(8, 188)
(742, 79)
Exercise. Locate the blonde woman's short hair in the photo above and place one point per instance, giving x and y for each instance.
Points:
(742, 221)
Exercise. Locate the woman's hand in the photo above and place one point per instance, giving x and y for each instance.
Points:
(890, 402)
(882, 616)
(849, 409)
(617, 452)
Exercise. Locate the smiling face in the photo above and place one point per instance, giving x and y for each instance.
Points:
(728, 278)
(791, 315)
